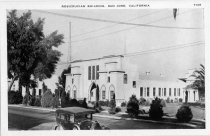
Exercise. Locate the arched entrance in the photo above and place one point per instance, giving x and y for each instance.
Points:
(94, 92)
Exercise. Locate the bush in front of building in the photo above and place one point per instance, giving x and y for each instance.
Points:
(112, 106)
(117, 109)
(14, 97)
(184, 113)
(180, 100)
(56, 102)
(37, 102)
(163, 102)
(142, 101)
(47, 99)
(176, 100)
(133, 106)
(104, 103)
(31, 101)
(123, 104)
(26, 99)
(156, 109)
(168, 100)
(73, 103)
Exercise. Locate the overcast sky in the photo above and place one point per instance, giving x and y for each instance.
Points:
(93, 39)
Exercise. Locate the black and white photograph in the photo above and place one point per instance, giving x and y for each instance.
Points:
(105, 69)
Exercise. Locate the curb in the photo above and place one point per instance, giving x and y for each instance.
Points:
(32, 108)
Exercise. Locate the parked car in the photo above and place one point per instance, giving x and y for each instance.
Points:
(76, 118)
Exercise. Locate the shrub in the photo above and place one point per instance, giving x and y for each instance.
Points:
(37, 102)
(47, 99)
(172, 100)
(133, 106)
(73, 102)
(184, 113)
(26, 99)
(163, 102)
(84, 103)
(142, 101)
(180, 100)
(56, 102)
(14, 97)
(112, 105)
(31, 101)
(156, 109)
(104, 103)
(123, 104)
(176, 100)
(168, 100)
(117, 109)
(147, 103)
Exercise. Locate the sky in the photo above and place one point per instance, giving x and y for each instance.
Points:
(93, 39)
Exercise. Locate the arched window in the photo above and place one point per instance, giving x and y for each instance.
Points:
(103, 92)
(112, 92)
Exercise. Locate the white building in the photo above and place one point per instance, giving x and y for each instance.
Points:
(113, 75)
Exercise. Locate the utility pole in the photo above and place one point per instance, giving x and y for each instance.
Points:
(69, 49)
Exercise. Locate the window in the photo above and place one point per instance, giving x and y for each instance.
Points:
(174, 91)
(93, 73)
(89, 73)
(40, 91)
(72, 80)
(147, 91)
(134, 84)
(153, 91)
(159, 91)
(179, 92)
(97, 70)
(75, 94)
(164, 91)
(108, 79)
(169, 91)
(111, 95)
(125, 79)
(141, 91)
(91, 94)
(103, 94)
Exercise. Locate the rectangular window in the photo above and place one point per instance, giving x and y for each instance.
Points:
(141, 91)
(75, 94)
(169, 91)
(164, 91)
(108, 79)
(159, 91)
(103, 94)
(89, 72)
(125, 79)
(179, 92)
(97, 70)
(147, 91)
(153, 91)
(134, 84)
(174, 91)
(40, 91)
(93, 72)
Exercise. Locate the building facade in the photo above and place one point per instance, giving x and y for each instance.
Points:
(112, 76)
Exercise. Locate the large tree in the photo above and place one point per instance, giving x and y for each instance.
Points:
(30, 53)
(199, 82)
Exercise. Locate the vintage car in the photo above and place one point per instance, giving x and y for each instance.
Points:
(76, 118)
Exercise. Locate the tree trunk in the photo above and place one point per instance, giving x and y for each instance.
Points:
(27, 90)
(12, 82)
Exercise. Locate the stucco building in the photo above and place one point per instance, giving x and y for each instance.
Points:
(112, 77)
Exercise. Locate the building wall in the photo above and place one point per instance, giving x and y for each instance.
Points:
(114, 69)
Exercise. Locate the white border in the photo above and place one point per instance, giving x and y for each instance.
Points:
(57, 5)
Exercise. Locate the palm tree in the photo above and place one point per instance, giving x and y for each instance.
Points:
(199, 82)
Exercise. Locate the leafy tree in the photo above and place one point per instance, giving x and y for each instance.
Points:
(30, 53)
(199, 82)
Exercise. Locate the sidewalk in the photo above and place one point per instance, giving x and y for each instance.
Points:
(194, 123)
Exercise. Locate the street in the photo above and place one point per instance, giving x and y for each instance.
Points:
(22, 119)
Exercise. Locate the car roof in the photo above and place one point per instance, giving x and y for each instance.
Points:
(75, 110)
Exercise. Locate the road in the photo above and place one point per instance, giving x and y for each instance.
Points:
(22, 119)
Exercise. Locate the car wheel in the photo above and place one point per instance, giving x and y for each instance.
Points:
(75, 128)
(59, 128)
